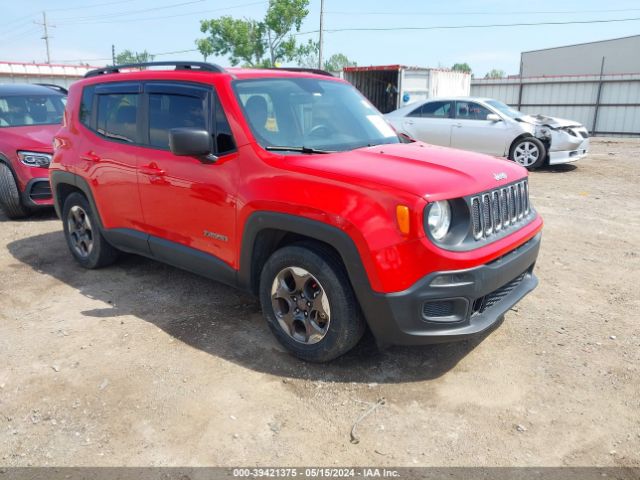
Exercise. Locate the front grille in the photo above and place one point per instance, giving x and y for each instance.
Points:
(499, 209)
(40, 191)
(483, 303)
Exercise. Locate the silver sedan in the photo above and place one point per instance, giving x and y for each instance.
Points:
(489, 126)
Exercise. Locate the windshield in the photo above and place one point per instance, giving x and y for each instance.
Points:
(311, 113)
(21, 110)
(506, 109)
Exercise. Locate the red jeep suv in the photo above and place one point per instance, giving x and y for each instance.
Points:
(30, 115)
(291, 185)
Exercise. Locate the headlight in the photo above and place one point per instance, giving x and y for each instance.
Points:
(35, 159)
(439, 219)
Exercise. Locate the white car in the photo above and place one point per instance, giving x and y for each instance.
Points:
(489, 126)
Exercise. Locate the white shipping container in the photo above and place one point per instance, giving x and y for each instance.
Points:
(390, 87)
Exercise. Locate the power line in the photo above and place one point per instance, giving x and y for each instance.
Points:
(521, 12)
(143, 19)
(131, 12)
(455, 27)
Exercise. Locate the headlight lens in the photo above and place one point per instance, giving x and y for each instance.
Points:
(439, 219)
(35, 159)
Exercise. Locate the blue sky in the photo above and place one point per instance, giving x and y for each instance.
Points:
(85, 29)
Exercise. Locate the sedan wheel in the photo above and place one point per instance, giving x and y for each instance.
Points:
(528, 152)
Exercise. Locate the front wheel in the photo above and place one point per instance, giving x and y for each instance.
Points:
(309, 304)
(10, 201)
(528, 152)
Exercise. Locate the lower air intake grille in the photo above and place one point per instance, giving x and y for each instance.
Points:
(483, 303)
(40, 191)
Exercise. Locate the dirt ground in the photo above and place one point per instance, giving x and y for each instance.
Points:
(143, 364)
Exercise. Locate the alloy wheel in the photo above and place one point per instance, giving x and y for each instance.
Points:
(80, 231)
(526, 154)
(301, 305)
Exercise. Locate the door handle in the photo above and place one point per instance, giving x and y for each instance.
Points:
(152, 170)
(409, 122)
(90, 156)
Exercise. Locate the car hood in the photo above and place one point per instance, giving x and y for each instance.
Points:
(419, 168)
(552, 122)
(30, 137)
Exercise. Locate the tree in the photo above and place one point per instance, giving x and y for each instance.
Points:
(461, 67)
(495, 73)
(308, 58)
(127, 56)
(256, 43)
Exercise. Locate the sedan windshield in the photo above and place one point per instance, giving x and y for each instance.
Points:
(22, 110)
(308, 115)
(506, 109)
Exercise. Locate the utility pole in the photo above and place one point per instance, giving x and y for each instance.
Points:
(45, 37)
(321, 39)
(113, 55)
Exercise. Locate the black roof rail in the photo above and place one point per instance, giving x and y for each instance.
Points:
(317, 71)
(197, 66)
(55, 87)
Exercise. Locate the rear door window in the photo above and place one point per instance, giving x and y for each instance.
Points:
(436, 110)
(117, 116)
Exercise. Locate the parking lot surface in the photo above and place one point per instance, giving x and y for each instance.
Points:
(143, 364)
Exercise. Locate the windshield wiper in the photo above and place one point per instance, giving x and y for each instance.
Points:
(278, 148)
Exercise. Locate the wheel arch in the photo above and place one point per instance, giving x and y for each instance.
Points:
(64, 184)
(546, 143)
(265, 232)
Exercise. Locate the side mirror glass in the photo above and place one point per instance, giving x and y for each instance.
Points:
(493, 117)
(190, 142)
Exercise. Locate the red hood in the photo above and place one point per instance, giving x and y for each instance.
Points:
(425, 170)
(30, 137)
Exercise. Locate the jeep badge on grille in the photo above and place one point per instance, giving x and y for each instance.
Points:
(500, 176)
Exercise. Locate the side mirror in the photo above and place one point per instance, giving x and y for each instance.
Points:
(493, 117)
(191, 142)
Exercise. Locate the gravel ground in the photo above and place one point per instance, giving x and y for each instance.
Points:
(143, 364)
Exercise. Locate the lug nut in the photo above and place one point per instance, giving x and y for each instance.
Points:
(308, 304)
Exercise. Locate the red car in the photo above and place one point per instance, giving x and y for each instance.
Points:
(291, 185)
(30, 115)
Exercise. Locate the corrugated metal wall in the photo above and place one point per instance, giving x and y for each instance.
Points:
(63, 75)
(607, 105)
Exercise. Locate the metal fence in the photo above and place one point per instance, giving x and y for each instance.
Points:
(605, 104)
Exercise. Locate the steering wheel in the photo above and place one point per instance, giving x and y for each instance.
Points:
(320, 130)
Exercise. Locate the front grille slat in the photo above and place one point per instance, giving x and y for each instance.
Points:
(499, 209)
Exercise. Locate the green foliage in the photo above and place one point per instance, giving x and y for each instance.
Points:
(127, 56)
(461, 67)
(256, 43)
(337, 62)
(308, 58)
(495, 73)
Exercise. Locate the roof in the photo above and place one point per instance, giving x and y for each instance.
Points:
(10, 89)
(43, 69)
(199, 74)
(391, 68)
(584, 43)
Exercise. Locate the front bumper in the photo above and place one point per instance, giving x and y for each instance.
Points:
(570, 155)
(467, 303)
(37, 193)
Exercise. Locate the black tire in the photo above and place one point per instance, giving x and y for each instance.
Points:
(101, 253)
(10, 201)
(530, 162)
(345, 325)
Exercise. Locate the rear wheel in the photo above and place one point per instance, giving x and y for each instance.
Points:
(528, 152)
(84, 239)
(10, 195)
(309, 304)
